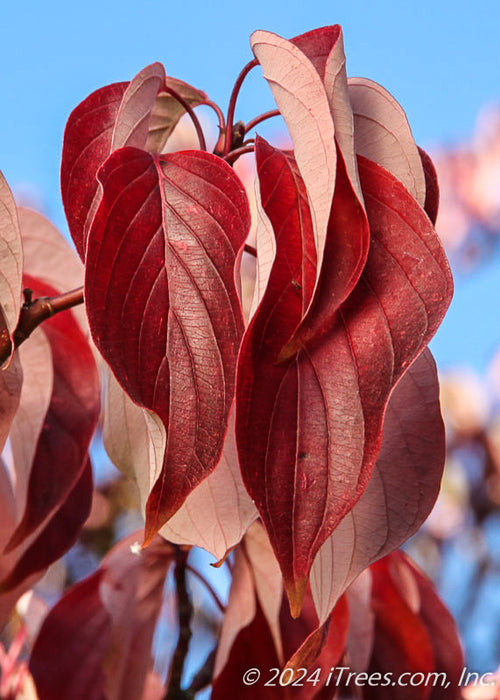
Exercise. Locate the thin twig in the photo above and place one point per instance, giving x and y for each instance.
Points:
(208, 586)
(233, 156)
(204, 676)
(33, 313)
(218, 111)
(262, 117)
(184, 615)
(194, 118)
(232, 102)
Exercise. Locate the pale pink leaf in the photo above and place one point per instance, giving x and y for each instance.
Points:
(96, 642)
(267, 578)
(361, 631)
(167, 111)
(240, 610)
(7, 561)
(301, 98)
(47, 254)
(400, 493)
(382, 134)
(134, 438)
(49, 257)
(131, 591)
(324, 47)
(256, 575)
(338, 96)
(265, 243)
(11, 259)
(132, 122)
(38, 375)
(11, 380)
(216, 515)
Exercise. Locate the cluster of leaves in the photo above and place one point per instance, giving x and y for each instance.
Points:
(308, 439)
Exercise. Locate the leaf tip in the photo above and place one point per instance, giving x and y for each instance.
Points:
(149, 533)
(295, 590)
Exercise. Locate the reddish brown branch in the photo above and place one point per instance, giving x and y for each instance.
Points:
(233, 156)
(185, 615)
(262, 117)
(33, 313)
(194, 118)
(209, 587)
(232, 103)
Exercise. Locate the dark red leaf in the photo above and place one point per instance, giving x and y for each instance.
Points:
(321, 648)
(401, 491)
(62, 448)
(162, 302)
(345, 253)
(401, 642)
(309, 428)
(414, 634)
(57, 536)
(317, 45)
(60, 648)
(252, 648)
(431, 205)
(87, 144)
(443, 633)
(96, 642)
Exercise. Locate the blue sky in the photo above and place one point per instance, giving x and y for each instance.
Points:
(440, 59)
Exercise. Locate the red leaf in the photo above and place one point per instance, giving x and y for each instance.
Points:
(56, 536)
(431, 205)
(162, 302)
(62, 448)
(442, 630)
(414, 633)
(96, 642)
(400, 493)
(135, 114)
(309, 429)
(323, 647)
(324, 47)
(401, 642)
(252, 648)
(382, 134)
(87, 144)
(67, 654)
